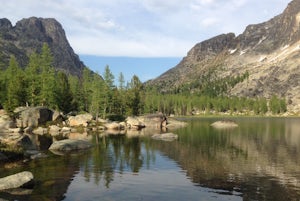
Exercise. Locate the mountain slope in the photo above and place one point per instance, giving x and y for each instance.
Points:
(28, 36)
(269, 52)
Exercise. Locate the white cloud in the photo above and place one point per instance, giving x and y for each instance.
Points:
(209, 21)
(144, 27)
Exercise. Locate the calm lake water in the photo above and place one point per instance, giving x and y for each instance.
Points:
(259, 160)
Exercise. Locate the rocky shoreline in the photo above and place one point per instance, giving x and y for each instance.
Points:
(16, 132)
(21, 134)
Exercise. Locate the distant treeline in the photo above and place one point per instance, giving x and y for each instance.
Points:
(40, 84)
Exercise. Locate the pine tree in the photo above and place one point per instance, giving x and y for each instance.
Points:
(96, 96)
(47, 95)
(16, 86)
(64, 95)
(275, 105)
(86, 88)
(134, 99)
(77, 92)
(121, 95)
(33, 79)
(108, 90)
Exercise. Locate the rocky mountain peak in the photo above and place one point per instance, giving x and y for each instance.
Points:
(5, 24)
(268, 51)
(29, 35)
(212, 47)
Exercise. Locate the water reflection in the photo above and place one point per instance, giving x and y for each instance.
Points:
(114, 153)
(259, 160)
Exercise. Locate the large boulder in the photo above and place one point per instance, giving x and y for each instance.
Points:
(40, 131)
(33, 116)
(70, 145)
(114, 126)
(5, 121)
(16, 140)
(54, 130)
(21, 179)
(158, 120)
(135, 123)
(80, 120)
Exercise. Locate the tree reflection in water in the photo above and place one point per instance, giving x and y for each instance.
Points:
(116, 153)
(259, 160)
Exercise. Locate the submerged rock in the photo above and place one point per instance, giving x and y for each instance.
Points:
(224, 124)
(165, 137)
(21, 179)
(70, 145)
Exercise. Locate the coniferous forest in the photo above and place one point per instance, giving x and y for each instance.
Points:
(39, 84)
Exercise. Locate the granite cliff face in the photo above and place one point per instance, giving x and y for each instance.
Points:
(28, 36)
(269, 51)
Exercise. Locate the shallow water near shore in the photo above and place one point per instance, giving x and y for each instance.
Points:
(258, 160)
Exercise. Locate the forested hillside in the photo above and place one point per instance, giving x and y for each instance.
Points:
(40, 84)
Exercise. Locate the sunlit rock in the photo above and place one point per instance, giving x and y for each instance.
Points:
(80, 120)
(16, 180)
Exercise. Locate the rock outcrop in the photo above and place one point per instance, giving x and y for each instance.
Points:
(269, 52)
(80, 120)
(33, 116)
(28, 36)
(151, 120)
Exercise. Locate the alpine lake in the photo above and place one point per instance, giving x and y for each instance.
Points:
(258, 160)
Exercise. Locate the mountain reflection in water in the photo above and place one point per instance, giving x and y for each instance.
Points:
(259, 160)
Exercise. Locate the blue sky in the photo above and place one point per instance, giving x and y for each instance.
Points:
(145, 68)
(142, 28)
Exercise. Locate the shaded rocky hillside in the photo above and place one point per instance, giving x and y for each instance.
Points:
(28, 36)
(269, 52)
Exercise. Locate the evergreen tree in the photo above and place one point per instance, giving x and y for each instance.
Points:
(121, 81)
(283, 107)
(47, 95)
(109, 78)
(87, 88)
(16, 86)
(121, 94)
(64, 96)
(275, 105)
(263, 106)
(134, 98)
(97, 95)
(108, 90)
(77, 92)
(33, 79)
